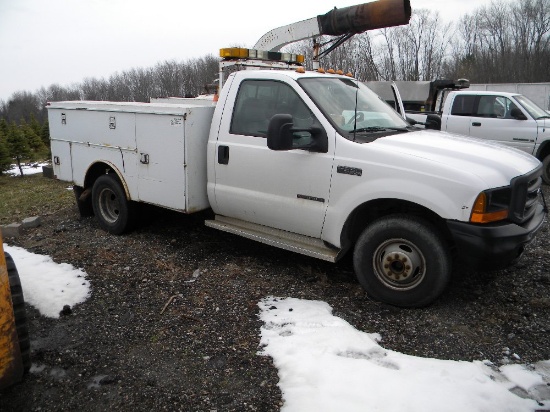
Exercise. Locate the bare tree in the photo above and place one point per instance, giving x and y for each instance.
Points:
(504, 42)
(529, 27)
(169, 78)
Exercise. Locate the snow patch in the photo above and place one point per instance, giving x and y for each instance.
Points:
(48, 286)
(327, 365)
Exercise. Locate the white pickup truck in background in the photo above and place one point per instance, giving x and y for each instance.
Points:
(311, 162)
(508, 118)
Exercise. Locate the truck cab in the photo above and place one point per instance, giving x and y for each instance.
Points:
(320, 156)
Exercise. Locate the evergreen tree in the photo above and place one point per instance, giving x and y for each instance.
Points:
(5, 158)
(17, 145)
(35, 125)
(4, 128)
(45, 134)
(38, 150)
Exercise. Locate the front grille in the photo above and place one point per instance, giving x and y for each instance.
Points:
(525, 195)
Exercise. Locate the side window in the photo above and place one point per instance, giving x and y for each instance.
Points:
(489, 106)
(499, 107)
(508, 106)
(257, 102)
(463, 105)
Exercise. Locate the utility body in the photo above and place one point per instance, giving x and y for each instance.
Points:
(311, 162)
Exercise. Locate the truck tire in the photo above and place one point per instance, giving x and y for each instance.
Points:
(546, 170)
(18, 302)
(114, 212)
(402, 261)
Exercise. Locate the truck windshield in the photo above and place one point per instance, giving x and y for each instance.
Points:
(351, 106)
(534, 109)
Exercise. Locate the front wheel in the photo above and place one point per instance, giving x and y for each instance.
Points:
(113, 210)
(402, 261)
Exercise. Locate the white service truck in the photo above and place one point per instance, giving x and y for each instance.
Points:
(311, 162)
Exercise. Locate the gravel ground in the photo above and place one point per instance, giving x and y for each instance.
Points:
(148, 340)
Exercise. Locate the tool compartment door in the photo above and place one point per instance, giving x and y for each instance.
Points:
(161, 159)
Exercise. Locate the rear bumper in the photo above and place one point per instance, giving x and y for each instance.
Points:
(496, 245)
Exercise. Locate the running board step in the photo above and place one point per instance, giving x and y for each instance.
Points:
(275, 237)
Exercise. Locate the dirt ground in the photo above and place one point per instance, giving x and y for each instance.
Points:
(148, 340)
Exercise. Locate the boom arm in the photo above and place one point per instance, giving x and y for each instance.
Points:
(346, 21)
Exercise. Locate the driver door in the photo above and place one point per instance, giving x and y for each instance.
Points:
(287, 190)
(493, 121)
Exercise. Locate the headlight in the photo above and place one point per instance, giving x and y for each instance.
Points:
(491, 205)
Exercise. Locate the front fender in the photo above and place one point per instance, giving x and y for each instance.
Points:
(430, 194)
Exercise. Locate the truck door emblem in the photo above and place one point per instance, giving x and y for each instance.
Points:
(315, 199)
(346, 170)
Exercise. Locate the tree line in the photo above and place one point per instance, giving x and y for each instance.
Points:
(505, 41)
(24, 132)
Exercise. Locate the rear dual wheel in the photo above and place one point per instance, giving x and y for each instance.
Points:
(402, 261)
(115, 213)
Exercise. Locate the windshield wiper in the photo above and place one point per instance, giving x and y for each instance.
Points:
(377, 129)
(544, 117)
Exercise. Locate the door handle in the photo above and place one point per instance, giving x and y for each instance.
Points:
(223, 155)
(476, 124)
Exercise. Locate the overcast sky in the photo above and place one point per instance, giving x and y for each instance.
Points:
(45, 42)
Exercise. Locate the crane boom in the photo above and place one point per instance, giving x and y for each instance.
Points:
(345, 21)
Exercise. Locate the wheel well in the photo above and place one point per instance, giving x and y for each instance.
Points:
(544, 150)
(97, 170)
(375, 209)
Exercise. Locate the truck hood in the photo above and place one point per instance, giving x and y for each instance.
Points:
(493, 163)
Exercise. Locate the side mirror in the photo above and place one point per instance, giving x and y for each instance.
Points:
(433, 121)
(281, 134)
(517, 114)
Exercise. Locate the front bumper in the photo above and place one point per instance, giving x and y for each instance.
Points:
(494, 245)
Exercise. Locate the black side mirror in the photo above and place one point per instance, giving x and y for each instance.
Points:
(433, 121)
(517, 114)
(280, 135)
